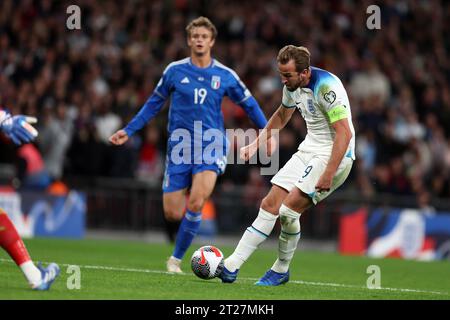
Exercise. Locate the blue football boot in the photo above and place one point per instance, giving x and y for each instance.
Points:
(272, 278)
(48, 275)
(228, 276)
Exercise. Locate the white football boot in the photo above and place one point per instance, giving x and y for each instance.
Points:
(173, 265)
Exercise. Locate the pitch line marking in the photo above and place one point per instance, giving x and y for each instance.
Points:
(309, 283)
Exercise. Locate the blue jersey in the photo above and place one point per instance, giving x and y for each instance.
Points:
(196, 96)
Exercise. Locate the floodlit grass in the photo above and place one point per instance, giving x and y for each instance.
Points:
(134, 270)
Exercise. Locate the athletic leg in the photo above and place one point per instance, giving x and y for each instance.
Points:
(202, 186)
(293, 206)
(263, 225)
(259, 230)
(38, 277)
(299, 199)
(295, 203)
(174, 205)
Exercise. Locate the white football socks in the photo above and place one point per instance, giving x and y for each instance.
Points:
(252, 238)
(32, 273)
(289, 237)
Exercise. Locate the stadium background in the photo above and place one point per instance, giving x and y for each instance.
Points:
(84, 84)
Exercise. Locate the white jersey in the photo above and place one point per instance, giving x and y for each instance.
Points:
(321, 103)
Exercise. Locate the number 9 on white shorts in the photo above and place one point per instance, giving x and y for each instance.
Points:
(303, 171)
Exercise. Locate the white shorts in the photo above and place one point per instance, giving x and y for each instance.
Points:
(303, 171)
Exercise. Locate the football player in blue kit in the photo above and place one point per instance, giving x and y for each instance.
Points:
(196, 86)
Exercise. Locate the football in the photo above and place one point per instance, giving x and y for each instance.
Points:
(207, 262)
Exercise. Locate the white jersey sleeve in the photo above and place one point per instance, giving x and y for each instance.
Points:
(332, 98)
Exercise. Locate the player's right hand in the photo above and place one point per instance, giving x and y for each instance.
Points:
(119, 138)
(248, 151)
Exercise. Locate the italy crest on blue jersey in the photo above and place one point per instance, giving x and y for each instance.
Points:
(215, 82)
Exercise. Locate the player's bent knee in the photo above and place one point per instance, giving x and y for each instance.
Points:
(297, 200)
(196, 204)
(289, 219)
(270, 205)
(172, 214)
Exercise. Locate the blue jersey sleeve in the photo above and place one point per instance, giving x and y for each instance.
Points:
(254, 112)
(164, 86)
(153, 104)
(238, 92)
(151, 107)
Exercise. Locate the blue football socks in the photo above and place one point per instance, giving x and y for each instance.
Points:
(188, 229)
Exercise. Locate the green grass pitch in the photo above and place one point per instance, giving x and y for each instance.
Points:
(134, 270)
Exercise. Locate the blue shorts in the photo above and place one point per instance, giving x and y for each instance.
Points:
(174, 181)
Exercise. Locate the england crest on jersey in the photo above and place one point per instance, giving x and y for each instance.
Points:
(311, 106)
(215, 82)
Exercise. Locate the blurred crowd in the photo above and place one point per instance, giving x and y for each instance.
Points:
(85, 84)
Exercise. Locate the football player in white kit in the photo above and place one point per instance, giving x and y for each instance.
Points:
(321, 164)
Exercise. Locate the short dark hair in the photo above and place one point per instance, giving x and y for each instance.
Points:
(201, 22)
(300, 55)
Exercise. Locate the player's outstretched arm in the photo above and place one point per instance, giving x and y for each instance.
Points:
(18, 127)
(277, 122)
(148, 111)
(119, 138)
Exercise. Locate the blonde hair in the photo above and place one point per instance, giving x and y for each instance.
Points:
(201, 22)
(300, 56)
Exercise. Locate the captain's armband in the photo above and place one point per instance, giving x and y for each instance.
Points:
(337, 113)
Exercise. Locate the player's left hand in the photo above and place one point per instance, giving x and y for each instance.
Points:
(324, 183)
(18, 128)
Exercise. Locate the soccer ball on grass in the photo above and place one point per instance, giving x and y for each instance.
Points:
(207, 262)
